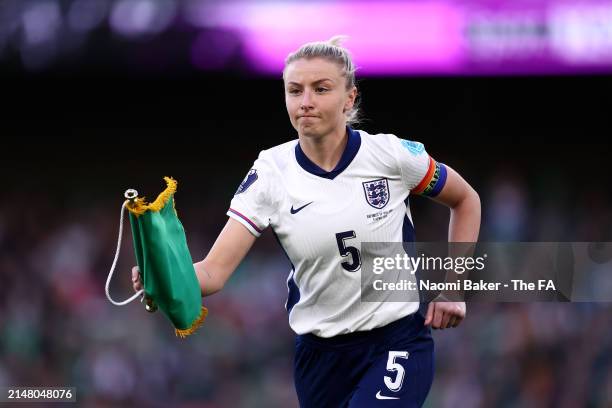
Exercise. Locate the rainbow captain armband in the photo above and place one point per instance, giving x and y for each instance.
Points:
(434, 180)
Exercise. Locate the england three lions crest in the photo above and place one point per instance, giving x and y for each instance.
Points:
(376, 192)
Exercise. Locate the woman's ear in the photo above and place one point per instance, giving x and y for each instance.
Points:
(351, 99)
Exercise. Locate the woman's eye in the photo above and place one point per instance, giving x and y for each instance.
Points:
(294, 91)
(320, 89)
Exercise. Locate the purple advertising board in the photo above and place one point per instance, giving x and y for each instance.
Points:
(433, 37)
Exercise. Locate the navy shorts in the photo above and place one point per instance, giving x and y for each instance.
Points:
(391, 366)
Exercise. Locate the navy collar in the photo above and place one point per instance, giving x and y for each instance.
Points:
(350, 151)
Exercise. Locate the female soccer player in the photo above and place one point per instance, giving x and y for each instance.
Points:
(322, 195)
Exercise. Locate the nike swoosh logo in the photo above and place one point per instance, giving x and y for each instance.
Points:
(382, 397)
(300, 209)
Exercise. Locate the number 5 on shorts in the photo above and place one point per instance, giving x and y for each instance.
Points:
(395, 384)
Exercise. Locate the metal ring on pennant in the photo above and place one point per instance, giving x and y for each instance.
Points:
(130, 194)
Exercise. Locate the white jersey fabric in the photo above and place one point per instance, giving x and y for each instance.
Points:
(320, 219)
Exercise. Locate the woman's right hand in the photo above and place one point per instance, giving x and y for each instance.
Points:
(136, 282)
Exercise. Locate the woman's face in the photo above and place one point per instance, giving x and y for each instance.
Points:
(316, 96)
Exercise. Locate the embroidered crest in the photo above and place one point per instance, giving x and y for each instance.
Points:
(376, 192)
(247, 182)
(415, 148)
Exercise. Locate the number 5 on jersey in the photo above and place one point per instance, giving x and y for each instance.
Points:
(395, 384)
(345, 251)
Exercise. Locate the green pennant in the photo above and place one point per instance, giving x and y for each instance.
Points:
(165, 263)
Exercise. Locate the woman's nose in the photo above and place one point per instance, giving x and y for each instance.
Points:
(306, 100)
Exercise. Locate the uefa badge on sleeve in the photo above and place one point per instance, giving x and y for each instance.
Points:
(415, 148)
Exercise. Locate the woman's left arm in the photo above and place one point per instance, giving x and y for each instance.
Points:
(464, 204)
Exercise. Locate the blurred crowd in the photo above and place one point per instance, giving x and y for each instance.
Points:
(58, 329)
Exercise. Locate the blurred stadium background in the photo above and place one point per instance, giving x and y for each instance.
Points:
(101, 95)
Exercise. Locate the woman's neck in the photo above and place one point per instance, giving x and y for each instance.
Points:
(325, 151)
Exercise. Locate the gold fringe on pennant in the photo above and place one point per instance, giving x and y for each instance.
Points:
(139, 206)
(182, 333)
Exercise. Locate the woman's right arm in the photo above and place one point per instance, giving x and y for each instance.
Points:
(230, 248)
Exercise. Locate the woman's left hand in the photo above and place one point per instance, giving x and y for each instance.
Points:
(442, 315)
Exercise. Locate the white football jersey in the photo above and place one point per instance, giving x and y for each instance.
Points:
(320, 219)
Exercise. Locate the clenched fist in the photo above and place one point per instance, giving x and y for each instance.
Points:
(443, 315)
